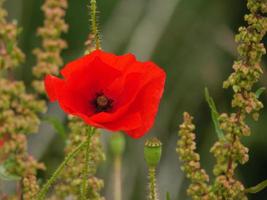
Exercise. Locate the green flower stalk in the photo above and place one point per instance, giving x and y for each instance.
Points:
(41, 195)
(84, 187)
(152, 152)
(94, 26)
(70, 180)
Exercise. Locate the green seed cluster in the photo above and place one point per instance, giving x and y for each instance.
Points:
(18, 113)
(10, 55)
(48, 57)
(247, 71)
(229, 150)
(18, 118)
(186, 147)
(71, 179)
(18, 109)
(228, 188)
(30, 187)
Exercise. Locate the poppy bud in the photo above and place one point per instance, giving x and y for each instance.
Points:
(117, 144)
(152, 151)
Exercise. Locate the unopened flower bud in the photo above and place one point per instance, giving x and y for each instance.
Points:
(117, 144)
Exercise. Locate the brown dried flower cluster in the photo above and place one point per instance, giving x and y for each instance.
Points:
(48, 57)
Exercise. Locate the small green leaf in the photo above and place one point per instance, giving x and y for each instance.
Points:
(168, 196)
(57, 125)
(259, 92)
(214, 114)
(10, 47)
(257, 188)
(5, 176)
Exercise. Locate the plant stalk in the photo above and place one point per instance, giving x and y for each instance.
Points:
(84, 188)
(55, 175)
(94, 28)
(117, 178)
(153, 194)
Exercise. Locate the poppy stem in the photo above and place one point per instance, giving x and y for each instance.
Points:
(94, 27)
(152, 153)
(85, 176)
(45, 188)
(117, 178)
(153, 194)
(117, 147)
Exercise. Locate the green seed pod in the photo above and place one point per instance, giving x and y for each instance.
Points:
(117, 144)
(152, 151)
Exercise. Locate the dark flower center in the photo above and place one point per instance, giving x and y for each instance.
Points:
(102, 103)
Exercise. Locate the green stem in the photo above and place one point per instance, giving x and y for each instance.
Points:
(257, 188)
(117, 178)
(84, 188)
(94, 27)
(153, 195)
(55, 175)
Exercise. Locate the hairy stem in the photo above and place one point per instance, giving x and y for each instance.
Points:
(84, 187)
(95, 31)
(153, 195)
(54, 177)
(117, 178)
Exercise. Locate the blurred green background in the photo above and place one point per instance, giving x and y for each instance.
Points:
(193, 40)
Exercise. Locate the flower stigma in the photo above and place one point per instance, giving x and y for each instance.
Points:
(102, 103)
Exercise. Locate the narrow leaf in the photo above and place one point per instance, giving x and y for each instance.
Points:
(10, 47)
(168, 196)
(57, 125)
(257, 188)
(214, 114)
(5, 176)
(259, 92)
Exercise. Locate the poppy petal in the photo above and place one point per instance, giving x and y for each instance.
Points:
(52, 86)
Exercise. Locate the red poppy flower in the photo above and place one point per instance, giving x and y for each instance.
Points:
(117, 93)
